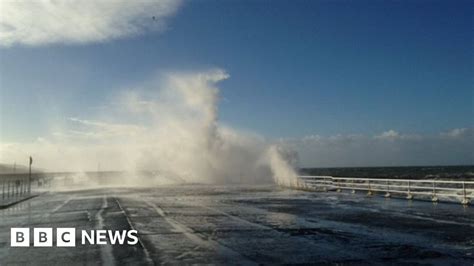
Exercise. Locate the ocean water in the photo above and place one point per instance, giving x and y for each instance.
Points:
(464, 172)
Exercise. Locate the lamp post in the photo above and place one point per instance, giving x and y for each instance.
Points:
(29, 176)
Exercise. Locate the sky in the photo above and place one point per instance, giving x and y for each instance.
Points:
(392, 80)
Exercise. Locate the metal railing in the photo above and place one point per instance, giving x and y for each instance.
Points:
(16, 187)
(434, 190)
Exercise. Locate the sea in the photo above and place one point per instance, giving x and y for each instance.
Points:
(458, 172)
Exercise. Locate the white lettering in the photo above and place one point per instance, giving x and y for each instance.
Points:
(101, 237)
(132, 234)
(117, 235)
(90, 238)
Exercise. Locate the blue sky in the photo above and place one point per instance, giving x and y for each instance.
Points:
(297, 68)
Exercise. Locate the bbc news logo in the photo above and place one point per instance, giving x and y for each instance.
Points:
(66, 237)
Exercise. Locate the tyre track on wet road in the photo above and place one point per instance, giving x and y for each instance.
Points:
(227, 252)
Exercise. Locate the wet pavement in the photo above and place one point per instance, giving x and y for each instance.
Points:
(198, 224)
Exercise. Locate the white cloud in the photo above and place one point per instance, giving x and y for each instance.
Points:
(92, 129)
(45, 21)
(458, 133)
(312, 138)
(390, 148)
(390, 134)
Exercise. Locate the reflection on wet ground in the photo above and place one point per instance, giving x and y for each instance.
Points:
(244, 224)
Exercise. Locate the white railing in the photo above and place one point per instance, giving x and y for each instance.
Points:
(434, 190)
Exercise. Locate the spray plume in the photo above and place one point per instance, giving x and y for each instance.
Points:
(173, 132)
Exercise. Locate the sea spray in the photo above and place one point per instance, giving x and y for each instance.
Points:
(282, 164)
(168, 131)
(188, 141)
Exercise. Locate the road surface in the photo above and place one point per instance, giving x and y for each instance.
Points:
(203, 224)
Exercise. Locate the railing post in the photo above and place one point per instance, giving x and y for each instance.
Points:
(434, 198)
(387, 195)
(352, 185)
(409, 195)
(464, 201)
(338, 182)
(369, 192)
